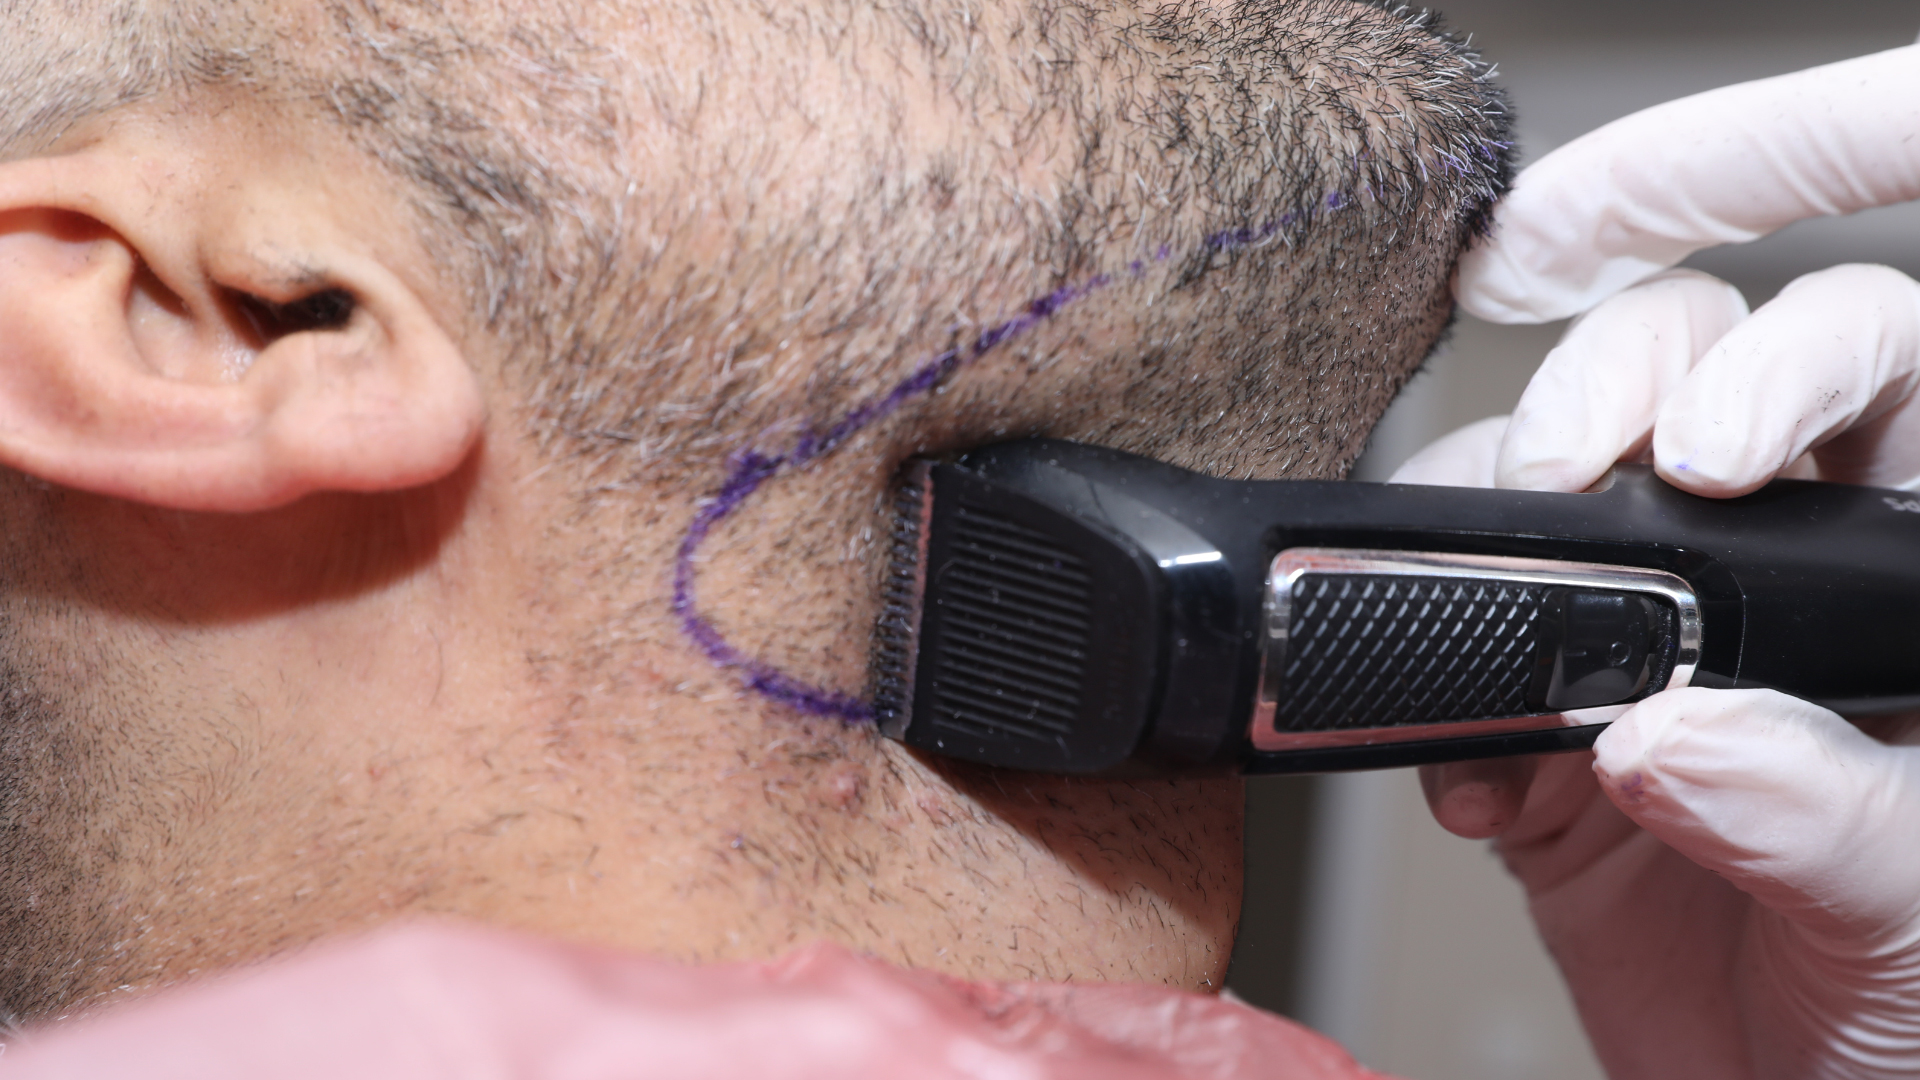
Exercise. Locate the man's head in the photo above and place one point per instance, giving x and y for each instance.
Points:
(366, 366)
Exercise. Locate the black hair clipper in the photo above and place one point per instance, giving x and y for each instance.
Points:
(1073, 609)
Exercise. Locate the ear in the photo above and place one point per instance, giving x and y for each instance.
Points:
(212, 342)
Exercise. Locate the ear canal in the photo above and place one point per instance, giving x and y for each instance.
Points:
(325, 309)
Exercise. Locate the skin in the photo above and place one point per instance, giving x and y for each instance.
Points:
(366, 369)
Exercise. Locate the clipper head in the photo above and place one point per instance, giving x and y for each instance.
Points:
(1012, 633)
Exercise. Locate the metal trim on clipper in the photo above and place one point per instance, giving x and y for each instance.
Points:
(1289, 566)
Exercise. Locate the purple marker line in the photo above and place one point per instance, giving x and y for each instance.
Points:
(750, 469)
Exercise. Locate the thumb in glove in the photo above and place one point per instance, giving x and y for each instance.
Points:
(1814, 819)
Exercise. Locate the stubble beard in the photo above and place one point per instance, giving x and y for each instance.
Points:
(58, 943)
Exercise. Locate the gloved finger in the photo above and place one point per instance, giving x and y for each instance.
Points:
(1462, 458)
(1784, 799)
(1567, 827)
(1730, 165)
(1478, 799)
(1834, 349)
(1594, 399)
(1884, 452)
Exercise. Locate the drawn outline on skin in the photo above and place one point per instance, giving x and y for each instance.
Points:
(750, 468)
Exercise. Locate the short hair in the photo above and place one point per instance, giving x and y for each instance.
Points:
(680, 246)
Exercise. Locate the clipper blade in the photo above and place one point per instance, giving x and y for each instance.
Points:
(896, 635)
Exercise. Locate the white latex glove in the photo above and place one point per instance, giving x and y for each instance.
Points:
(1817, 383)
(1731, 881)
(1675, 367)
(1642, 193)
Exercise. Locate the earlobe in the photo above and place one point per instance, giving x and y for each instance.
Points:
(149, 351)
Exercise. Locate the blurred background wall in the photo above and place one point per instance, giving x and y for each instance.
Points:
(1363, 918)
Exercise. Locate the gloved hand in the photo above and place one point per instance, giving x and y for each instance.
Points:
(1724, 400)
(1731, 881)
(422, 1002)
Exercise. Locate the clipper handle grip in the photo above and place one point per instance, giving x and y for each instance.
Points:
(1369, 646)
(1296, 625)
